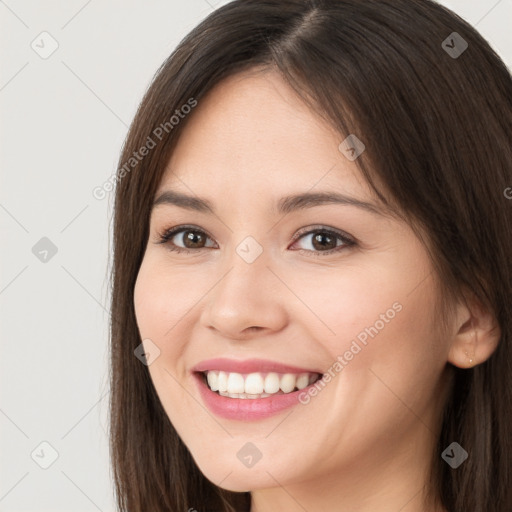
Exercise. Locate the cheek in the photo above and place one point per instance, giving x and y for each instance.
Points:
(341, 303)
(162, 297)
(376, 315)
(379, 336)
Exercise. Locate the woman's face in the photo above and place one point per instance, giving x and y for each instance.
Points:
(263, 278)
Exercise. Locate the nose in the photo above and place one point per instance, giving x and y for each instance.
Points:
(246, 301)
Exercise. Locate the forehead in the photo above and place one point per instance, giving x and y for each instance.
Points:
(252, 135)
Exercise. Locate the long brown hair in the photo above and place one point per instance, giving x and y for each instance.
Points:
(437, 128)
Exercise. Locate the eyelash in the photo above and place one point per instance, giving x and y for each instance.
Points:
(165, 237)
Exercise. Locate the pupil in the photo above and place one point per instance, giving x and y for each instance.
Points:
(320, 239)
(193, 237)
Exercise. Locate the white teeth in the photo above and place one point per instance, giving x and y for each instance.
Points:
(272, 383)
(257, 385)
(213, 380)
(222, 381)
(288, 382)
(236, 383)
(254, 384)
(302, 381)
(243, 395)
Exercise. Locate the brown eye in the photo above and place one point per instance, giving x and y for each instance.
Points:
(185, 238)
(193, 239)
(324, 241)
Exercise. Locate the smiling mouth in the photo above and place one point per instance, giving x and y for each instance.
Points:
(258, 384)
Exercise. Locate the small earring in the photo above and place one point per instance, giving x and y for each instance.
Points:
(469, 358)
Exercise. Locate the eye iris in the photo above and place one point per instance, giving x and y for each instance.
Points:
(193, 237)
(321, 238)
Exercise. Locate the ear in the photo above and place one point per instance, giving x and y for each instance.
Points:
(477, 334)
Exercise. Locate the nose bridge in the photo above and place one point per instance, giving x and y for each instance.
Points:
(251, 250)
(247, 273)
(245, 294)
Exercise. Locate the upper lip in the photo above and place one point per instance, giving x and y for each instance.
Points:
(248, 366)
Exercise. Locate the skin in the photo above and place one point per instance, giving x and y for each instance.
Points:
(364, 443)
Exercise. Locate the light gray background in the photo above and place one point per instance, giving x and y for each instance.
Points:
(63, 120)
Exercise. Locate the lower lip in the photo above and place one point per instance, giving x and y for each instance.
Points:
(246, 409)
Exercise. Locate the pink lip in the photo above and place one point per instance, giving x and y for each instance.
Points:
(248, 409)
(248, 366)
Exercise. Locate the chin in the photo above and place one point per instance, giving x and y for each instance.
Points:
(240, 479)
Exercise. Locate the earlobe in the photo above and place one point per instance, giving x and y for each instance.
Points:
(476, 338)
(463, 353)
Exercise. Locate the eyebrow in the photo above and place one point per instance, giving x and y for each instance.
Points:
(284, 206)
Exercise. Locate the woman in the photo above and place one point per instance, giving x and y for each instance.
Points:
(311, 302)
